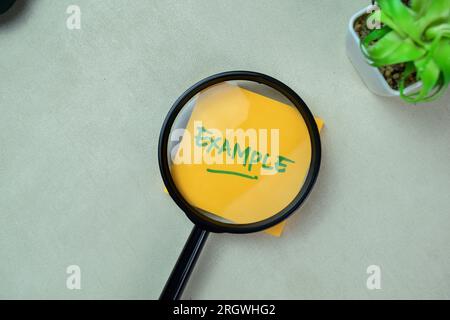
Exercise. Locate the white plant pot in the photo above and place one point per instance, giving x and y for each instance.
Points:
(371, 76)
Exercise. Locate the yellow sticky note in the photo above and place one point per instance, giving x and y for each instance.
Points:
(277, 230)
(255, 180)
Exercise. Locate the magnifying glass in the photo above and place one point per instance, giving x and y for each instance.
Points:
(238, 152)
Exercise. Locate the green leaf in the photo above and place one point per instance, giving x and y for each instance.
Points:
(426, 94)
(439, 31)
(427, 71)
(420, 6)
(392, 49)
(437, 11)
(400, 18)
(442, 58)
(410, 68)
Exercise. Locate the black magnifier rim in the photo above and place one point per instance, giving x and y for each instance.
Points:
(195, 215)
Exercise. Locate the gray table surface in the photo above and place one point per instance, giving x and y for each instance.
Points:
(80, 114)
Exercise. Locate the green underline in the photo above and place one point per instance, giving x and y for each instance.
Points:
(243, 175)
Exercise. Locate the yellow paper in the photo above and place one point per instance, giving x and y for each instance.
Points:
(277, 230)
(244, 192)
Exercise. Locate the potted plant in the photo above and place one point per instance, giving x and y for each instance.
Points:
(408, 53)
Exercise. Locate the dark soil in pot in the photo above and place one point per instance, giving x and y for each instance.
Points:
(391, 73)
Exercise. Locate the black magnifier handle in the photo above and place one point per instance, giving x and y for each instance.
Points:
(185, 264)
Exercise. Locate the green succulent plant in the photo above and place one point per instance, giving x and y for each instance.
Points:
(417, 35)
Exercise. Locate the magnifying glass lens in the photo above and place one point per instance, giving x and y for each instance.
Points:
(239, 152)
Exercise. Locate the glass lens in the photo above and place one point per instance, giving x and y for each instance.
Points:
(239, 152)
